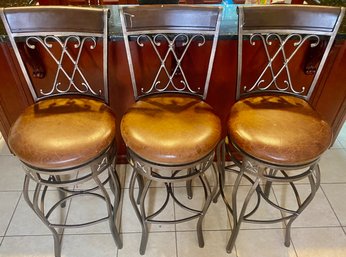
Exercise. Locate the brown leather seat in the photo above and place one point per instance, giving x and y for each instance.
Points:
(282, 130)
(62, 133)
(171, 129)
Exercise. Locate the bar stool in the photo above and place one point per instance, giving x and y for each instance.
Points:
(70, 126)
(272, 126)
(170, 131)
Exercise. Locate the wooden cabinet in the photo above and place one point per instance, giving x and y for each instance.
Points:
(329, 98)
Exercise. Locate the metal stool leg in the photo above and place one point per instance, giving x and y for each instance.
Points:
(189, 186)
(220, 160)
(140, 213)
(61, 192)
(209, 195)
(314, 185)
(34, 205)
(112, 210)
(140, 182)
(145, 231)
(237, 221)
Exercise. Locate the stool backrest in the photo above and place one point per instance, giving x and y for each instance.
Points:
(283, 35)
(170, 48)
(69, 42)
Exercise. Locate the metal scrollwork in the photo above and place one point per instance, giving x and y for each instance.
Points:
(267, 40)
(156, 41)
(79, 42)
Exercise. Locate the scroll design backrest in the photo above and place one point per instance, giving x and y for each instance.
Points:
(64, 35)
(281, 32)
(170, 32)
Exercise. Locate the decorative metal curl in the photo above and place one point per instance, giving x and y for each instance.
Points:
(79, 44)
(156, 42)
(266, 42)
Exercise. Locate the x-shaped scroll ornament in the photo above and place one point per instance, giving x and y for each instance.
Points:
(267, 41)
(156, 42)
(78, 43)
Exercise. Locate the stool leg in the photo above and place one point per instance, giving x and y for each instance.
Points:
(220, 159)
(209, 195)
(61, 192)
(145, 232)
(268, 184)
(35, 207)
(314, 185)
(140, 182)
(189, 185)
(112, 210)
(237, 221)
(140, 213)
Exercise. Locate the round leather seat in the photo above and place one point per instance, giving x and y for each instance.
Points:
(171, 129)
(62, 133)
(281, 130)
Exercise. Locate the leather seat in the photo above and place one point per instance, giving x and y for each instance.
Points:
(171, 129)
(62, 133)
(278, 129)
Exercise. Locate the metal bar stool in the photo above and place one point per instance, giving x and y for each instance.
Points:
(70, 125)
(170, 132)
(272, 126)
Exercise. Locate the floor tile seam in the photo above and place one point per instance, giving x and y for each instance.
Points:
(228, 213)
(150, 232)
(69, 207)
(317, 228)
(179, 230)
(32, 235)
(13, 213)
(284, 220)
(52, 224)
(64, 235)
(310, 227)
(333, 183)
(331, 206)
(344, 229)
(176, 231)
(11, 191)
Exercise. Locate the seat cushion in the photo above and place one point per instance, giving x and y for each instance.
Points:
(278, 129)
(62, 133)
(171, 129)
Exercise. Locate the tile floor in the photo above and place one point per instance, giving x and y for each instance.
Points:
(319, 232)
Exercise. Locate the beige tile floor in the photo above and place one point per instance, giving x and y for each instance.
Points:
(319, 232)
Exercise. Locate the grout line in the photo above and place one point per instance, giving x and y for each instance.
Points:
(330, 204)
(9, 222)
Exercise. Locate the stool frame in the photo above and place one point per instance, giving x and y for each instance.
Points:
(41, 30)
(254, 24)
(160, 30)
